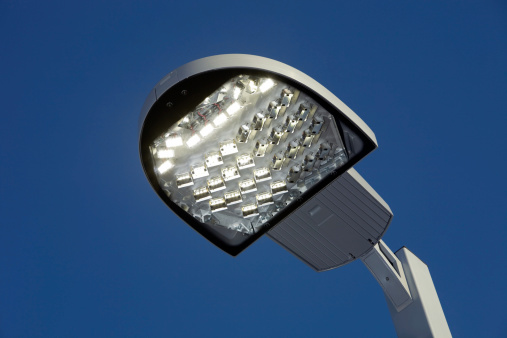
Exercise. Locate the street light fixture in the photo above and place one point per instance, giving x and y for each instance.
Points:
(234, 144)
(239, 145)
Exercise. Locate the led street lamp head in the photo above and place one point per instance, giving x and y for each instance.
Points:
(234, 144)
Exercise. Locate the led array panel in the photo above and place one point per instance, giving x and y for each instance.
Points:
(246, 152)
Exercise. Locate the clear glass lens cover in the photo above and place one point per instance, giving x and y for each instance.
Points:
(251, 148)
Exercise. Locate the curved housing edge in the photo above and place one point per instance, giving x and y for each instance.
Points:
(249, 61)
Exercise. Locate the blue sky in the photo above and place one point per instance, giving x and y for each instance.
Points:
(87, 248)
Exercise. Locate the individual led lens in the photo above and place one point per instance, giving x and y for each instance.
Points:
(250, 210)
(213, 159)
(201, 194)
(286, 97)
(262, 174)
(278, 187)
(184, 180)
(193, 141)
(230, 173)
(228, 147)
(292, 150)
(294, 174)
(217, 204)
(278, 161)
(308, 162)
(307, 138)
(247, 186)
(173, 140)
(265, 198)
(165, 166)
(199, 171)
(290, 123)
(243, 133)
(317, 124)
(216, 184)
(233, 197)
(258, 121)
(252, 86)
(273, 110)
(276, 135)
(324, 150)
(303, 113)
(206, 130)
(220, 119)
(245, 161)
(260, 148)
(266, 85)
(165, 153)
(233, 108)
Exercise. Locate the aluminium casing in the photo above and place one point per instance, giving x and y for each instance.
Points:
(338, 225)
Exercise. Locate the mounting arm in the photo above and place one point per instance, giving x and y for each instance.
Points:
(409, 290)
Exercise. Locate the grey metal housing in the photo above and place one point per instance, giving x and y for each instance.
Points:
(336, 226)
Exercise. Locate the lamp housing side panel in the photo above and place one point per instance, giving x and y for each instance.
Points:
(338, 225)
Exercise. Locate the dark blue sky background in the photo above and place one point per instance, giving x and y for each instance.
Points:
(88, 250)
